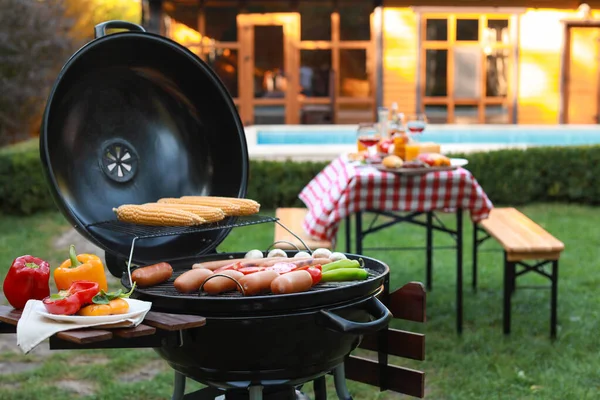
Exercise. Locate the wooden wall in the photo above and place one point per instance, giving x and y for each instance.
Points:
(400, 58)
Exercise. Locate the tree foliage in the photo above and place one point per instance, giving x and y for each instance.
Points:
(36, 39)
(88, 13)
(34, 43)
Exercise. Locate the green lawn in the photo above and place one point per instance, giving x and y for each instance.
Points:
(481, 364)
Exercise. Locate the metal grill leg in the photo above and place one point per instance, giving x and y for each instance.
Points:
(508, 282)
(320, 388)
(256, 392)
(459, 271)
(554, 299)
(475, 247)
(339, 379)
(429, 252)
(178, 386)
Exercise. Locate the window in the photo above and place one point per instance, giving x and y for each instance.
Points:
(465, 68)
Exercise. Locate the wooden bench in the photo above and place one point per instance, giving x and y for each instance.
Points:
(522, 240)
(292, 219)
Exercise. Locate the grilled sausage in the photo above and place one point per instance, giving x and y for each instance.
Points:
(292, 282)
(258, 282)
(213, 265)
(191, 280)
(219, 284)
(152, 274)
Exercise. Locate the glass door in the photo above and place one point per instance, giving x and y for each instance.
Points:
(269, 76)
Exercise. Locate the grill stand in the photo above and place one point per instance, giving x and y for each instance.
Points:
(255, 392)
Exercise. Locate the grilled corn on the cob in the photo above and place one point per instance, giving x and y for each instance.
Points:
(150, 215)
(228, 208)
(247, 206)
(209, 214)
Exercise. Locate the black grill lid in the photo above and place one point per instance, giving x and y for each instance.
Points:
(134, 117)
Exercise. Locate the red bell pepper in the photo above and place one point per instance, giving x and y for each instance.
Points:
(315, 272)
(68, 302)
(27, 278)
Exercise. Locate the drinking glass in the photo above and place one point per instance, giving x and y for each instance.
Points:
(416, 123)
(368, 136)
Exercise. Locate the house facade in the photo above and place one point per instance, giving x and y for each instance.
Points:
(336, 61)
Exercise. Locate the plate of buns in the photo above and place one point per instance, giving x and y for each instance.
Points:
(424, 163)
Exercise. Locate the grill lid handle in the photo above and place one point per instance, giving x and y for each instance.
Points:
(100, 29)
(339, 324)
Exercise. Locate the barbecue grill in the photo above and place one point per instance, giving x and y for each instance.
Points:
(134, 117)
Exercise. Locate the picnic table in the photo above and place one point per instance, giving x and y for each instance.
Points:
(344, 189)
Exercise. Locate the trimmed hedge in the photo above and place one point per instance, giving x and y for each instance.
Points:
(23, 187)
(513, 177)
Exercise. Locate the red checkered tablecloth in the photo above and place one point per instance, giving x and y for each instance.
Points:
(342, 189)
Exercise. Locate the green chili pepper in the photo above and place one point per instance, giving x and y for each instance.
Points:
(344, 274)
(341, 264)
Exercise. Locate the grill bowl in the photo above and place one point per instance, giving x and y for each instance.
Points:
(270, 339)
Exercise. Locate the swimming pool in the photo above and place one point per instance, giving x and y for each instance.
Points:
(559, 135)
(325, 142)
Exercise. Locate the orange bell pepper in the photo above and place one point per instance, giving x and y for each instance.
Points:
(116, 306)
(82, 267)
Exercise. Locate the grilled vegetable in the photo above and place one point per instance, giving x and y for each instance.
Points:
(245, 206)
(68, 302)
(337, 256)
(27, 278)
(156, 216)
(104, 298)
(345, 274)
(321, 253)
(117, 306)
(231, 206)
(315, 272)
(254, 254)
(208, 214)
(345, 263)
(80, 267)
(301, 254)
(276, 253)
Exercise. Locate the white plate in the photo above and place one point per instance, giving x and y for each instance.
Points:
(136, 307)
(458, 162)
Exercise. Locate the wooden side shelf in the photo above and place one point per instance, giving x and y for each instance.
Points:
(157, 328)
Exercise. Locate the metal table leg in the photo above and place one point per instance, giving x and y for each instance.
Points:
(459, 270)
(359, 235)
(429, 252)
(349, 233)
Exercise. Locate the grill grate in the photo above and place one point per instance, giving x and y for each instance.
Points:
(145, 231)
(168, 290)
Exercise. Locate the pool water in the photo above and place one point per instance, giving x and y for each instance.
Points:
(529, 135)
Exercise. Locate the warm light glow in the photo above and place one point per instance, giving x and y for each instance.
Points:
(184, 34)
(542, 30)
(400, 56)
